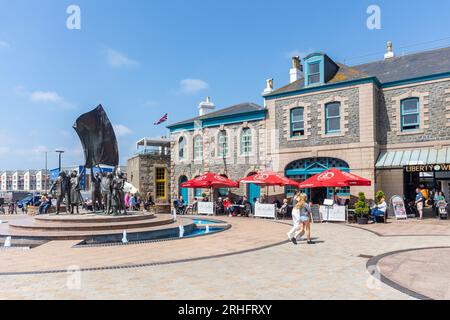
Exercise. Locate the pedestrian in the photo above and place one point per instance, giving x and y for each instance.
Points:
(301, 218)
(419, 202)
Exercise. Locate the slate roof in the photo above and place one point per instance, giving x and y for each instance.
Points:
(395, 69)
(233, 110)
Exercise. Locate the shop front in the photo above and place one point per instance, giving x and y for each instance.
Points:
(402, 172)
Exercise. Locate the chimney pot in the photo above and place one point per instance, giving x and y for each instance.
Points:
(297, 69)
(206, 106)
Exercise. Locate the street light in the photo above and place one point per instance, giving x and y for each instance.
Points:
(60, 152)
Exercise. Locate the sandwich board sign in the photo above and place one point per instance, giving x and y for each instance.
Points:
(398, 206)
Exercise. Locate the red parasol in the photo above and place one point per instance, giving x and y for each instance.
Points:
(269, 178)
(334, 178)
(210, 180)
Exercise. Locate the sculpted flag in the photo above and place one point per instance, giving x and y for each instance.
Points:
(98, 138)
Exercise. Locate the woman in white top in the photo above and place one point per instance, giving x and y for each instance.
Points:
(380, 210)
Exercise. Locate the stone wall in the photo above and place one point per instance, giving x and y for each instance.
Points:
(433, 117)
(314, 118)
(141, 173)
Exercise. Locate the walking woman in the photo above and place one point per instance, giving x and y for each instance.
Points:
(301, 218)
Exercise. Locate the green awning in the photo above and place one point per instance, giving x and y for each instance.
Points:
(398, 159)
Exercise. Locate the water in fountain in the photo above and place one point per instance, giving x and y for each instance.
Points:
(207, 229)
(181, 228)
(7, 242)
(124, 238)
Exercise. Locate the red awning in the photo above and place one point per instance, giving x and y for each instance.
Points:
(269, 178)
(210, 180)
(334, 178)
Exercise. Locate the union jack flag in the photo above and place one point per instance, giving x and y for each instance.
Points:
(162, 120)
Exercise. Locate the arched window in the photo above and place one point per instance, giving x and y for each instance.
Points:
(333, 117)
(410, 112)
(297, 122)
(182, 148)
(246, 142)
(222, 144)
(198, 148)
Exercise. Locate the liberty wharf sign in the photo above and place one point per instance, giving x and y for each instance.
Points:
(427, 168)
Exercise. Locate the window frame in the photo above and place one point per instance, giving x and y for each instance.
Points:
(160, 181)
(198, 149)
(182, 147)
(310, 74)
(403, 114)
(246, 142)
(292, 122)
(327, 118)
(222, 148)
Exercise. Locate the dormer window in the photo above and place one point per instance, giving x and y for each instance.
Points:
(314, 73)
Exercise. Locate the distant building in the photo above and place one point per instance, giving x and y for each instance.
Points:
(42, 180)
(18, 180)
(29, 180)
(149, 169)
(6, 181)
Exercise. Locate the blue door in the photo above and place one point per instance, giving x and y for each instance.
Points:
(184, 192)
(253, 192)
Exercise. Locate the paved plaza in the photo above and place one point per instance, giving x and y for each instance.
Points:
(252, 260)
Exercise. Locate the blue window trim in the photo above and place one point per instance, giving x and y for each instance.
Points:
(313, 60)
(417, 112)
(292, 121)
(327, 131)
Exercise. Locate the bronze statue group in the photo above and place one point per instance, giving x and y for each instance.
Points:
(107, 192)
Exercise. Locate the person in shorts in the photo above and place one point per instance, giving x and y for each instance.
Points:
(419, 203)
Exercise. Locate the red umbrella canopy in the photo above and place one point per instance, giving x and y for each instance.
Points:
(334, 178)
(269, 178)
(210, 180)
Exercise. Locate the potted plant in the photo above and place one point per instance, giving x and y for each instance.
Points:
(362, 209)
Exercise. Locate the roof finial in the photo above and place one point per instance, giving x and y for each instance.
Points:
(390, 52)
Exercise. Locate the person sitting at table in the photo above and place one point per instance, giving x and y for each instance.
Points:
(379, 210)
(193, 207)
(284, 208)
(228, 207)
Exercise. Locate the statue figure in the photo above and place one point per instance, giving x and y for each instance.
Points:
(118, 195)
(62, 188)
(106, 191)
(75, 191)
(96, 191)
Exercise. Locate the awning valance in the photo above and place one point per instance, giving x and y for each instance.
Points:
(397, 159)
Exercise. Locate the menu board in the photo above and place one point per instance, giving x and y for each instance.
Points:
(398, 206)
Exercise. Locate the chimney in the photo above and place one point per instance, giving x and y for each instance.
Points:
(269, 87)
(206, 107)
(297, 69)
(390, 53)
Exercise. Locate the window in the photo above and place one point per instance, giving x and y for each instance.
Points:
(410, 114)
(223, 144)
(333, 117)
(160, 182)
(314, 73)
(182, 148)
(246, 142)
(297, 122)
(198, 148)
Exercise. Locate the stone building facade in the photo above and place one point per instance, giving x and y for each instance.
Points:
(377, 120)
(149, 170)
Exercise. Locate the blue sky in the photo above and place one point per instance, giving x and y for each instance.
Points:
(141, 59)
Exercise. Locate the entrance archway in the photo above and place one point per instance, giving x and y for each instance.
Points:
(303, 169)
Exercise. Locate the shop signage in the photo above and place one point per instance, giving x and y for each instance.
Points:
(399, 207)
(427, 168)
(265, 210)
(334, 213)
(205, 208)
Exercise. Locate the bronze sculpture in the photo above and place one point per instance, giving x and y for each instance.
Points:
(106, 189)
(96, 191)
(75, 191)
(62, 188)
(118, 196)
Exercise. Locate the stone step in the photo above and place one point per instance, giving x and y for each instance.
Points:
(93, 218)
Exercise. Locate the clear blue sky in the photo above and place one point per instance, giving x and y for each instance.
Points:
(141, 59)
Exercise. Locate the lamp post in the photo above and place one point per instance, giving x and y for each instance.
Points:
(60, 152)
(46, 172)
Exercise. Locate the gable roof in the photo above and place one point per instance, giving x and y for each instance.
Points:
(246, 107)
(390, 70)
